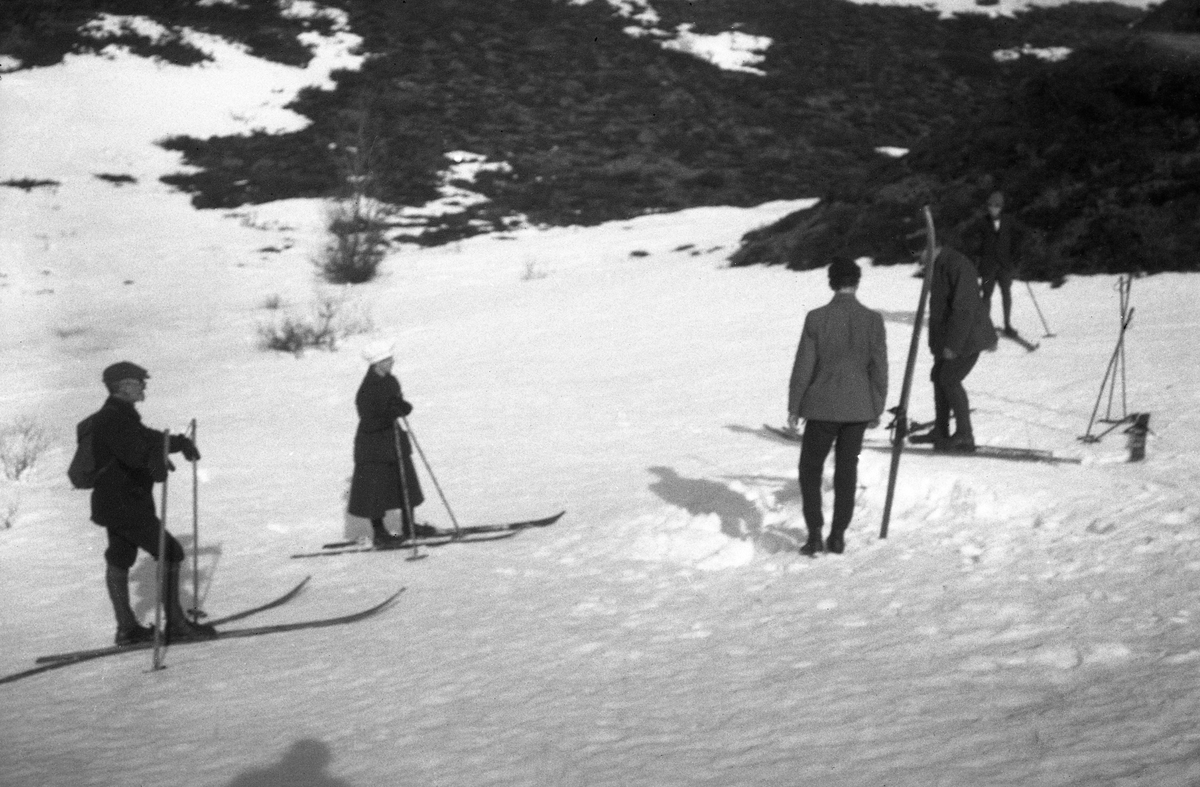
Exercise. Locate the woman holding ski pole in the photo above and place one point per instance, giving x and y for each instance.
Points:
(382, 463)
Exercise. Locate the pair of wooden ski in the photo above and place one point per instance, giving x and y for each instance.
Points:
(901, 424)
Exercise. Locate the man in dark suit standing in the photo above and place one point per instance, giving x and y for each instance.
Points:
(839, 387)
(997, 242)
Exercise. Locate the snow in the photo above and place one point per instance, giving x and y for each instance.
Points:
(949, 8)
(1022, 624)
(731, 50)
(734, 50)
(1052, 54)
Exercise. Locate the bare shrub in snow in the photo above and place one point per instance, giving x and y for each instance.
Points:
(533, 271)
(357, 243)
(22, 441)
(331, 318)
(10, 504)
(356, 222)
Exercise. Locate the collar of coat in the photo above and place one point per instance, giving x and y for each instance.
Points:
(125, 408)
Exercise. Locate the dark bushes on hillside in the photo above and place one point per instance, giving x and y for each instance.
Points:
(598, 125)
(1096, 153)
(254, 168)
(1100, 155)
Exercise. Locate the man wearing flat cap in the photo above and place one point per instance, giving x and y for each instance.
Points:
(839, 387)
(129, 458)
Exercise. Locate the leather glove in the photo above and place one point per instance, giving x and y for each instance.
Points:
(187, 447)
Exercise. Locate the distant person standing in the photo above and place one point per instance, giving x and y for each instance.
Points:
(130, 460)
(959, 329)
(997, 240)
(376, 487)
(838, 387)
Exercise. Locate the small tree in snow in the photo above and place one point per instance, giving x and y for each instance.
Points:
(357, 219)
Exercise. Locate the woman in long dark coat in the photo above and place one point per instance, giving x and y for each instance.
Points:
(376, 486)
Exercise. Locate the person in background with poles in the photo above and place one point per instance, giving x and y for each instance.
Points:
(375, 487)
(839, 387)
(959, 329)
(131, 459)
(997, 240)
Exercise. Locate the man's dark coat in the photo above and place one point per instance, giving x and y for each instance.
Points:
(958, 320)
(997, 248)
(132, 460)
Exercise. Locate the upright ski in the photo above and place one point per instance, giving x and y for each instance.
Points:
(901, 423)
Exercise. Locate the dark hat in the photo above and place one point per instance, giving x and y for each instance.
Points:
(124, 370)
(843, 273)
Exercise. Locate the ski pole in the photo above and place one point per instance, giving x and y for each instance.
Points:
(408, 511)
(1112, 362)
(196, 613)
(1045, 327)
(1126, 285)
(413, 436)
(159, 633)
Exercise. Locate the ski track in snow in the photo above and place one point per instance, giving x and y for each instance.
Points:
(1023, 624)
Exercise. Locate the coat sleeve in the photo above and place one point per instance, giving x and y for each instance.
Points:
(380, 402)
(803, 368)
(398, 406)
(964, 303)
(877, 369)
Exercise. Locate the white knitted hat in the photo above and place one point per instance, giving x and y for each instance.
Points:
(378, 350)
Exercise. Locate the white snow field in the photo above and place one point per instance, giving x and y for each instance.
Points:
(1023, 624)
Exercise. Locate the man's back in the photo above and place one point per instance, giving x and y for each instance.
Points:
(840, 372)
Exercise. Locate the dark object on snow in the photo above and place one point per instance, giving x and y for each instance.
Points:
(83, 471)
(1012, 335)
(1137, 436)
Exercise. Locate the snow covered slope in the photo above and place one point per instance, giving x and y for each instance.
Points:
(1023, 624)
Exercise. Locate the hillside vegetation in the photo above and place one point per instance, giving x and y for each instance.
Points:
(1099, 154)
(596, 124)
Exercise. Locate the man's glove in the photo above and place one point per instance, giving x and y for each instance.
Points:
(186, 446)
